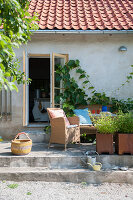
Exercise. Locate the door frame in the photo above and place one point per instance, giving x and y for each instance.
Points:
(26, 57)
(65, 57)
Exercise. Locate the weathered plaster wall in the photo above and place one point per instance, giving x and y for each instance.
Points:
(98, 55)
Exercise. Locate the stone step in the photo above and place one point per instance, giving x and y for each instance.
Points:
(37, 135)
(66, 175)
(56, 158)
(55, 162)
(63, 161)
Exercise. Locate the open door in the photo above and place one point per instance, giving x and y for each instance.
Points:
(25, 90)
(57, 59)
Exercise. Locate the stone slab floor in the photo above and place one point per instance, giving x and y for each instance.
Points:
(41, 149)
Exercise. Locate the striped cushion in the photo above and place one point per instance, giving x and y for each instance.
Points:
(59, 113)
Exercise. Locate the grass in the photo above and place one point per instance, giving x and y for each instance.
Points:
(29, 193)
(13, 186)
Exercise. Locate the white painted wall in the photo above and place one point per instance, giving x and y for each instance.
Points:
(98, 55)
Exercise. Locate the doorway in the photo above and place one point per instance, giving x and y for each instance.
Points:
(39, 89)
(42, 91)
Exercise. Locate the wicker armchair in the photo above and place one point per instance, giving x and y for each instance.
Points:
(60, 133)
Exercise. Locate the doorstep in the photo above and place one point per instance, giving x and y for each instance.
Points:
(65, 175)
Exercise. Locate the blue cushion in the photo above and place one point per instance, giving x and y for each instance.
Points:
(83, 115)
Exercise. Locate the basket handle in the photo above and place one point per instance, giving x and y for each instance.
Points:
(21, 134)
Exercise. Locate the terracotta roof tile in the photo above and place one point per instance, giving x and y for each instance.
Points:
(83, 14)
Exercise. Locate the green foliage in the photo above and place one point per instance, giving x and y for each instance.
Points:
(123, 105)
(129, 77)
(13, 186)
(116, 105)
(99, 98)
(84, 138)
(16, 24)
(106, 124)
(103, 99)
(124, 122)
(47, 129)
(72, 95)
(83, 183)
(29, 193)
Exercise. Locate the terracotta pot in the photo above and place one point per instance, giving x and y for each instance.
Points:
(104, 143)
(124, 143)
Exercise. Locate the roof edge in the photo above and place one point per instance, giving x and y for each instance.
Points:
(84, 31)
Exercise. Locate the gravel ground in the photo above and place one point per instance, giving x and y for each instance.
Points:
(64, 191)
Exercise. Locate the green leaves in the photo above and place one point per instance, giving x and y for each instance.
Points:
(29, 193)
(72, 95)
(80, 71)
(71, 64)
(4, 82)
(12, 86)
(123, 105)
(7, 74)
(99, 98)
(91, 88)
(106, 124)
(13, 186)
(16, 23)
(129, 77)
(82, 76)
(124, 122)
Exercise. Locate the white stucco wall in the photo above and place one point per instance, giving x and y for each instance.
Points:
(98, 55)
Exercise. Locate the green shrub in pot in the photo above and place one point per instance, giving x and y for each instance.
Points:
(124, 137)
(124, 122)
(106, 124)
(106, 127)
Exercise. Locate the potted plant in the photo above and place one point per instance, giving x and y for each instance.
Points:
(106, 127)
(124, 137)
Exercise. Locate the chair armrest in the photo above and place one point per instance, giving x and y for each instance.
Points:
(74, 120)
(58, 122)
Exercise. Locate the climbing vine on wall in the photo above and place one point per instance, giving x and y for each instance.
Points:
(72, 95)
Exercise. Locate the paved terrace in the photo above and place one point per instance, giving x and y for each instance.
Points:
(41, 150)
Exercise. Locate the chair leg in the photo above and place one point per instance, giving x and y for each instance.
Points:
(65, 147)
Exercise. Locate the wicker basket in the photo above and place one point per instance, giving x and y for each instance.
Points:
(21, 146)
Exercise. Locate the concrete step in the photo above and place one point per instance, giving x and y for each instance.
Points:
(56, 162)
(66, 175)
(56, 158)
(65, 161)
(37, 135)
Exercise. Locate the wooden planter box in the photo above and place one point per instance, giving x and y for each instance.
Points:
(104, 143)
(124, 143)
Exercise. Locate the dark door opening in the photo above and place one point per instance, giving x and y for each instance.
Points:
(39, 89)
